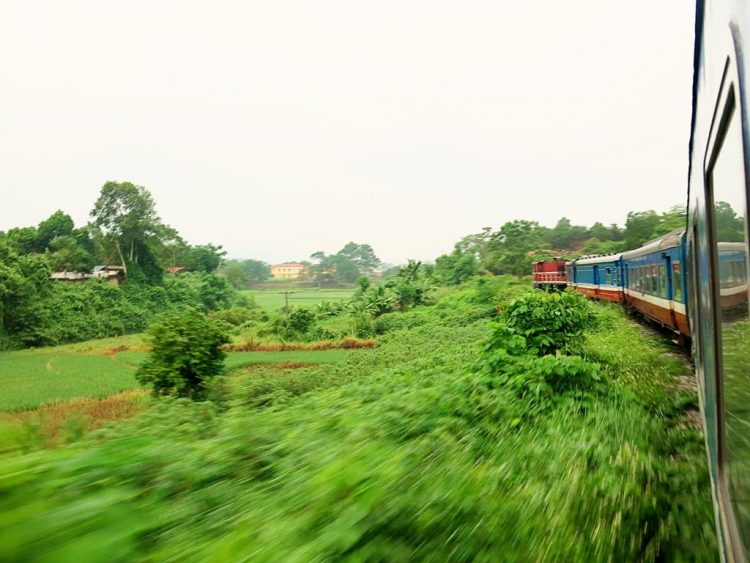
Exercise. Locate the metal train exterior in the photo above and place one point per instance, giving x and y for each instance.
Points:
(549, 273)
(649, 279)
(717, 253)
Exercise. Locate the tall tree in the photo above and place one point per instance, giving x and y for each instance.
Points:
(565, 235)
(362, 255)
(24, 239)
(256, 271)
(670, 220)
(510, 250)
(475, 244)
(203, 258)
(126, 216)
(58, 224)
(66, 254)
(455, 267)
(235, 274)
(640, 227)
(600, 232)
(24, 279)
(344, 267)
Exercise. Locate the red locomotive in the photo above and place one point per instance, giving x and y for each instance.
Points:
(550, 274)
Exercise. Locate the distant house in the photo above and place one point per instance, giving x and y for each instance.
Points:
(112, 274)
(287, 271)
(174, 270)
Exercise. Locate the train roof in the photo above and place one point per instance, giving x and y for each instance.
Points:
(670, 240)
(597, 259)
(555, 259)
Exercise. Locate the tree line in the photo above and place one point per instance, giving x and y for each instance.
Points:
(124, 230)
(343, 268)
(513, 247)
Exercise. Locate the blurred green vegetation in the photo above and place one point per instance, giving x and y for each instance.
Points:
(414, 450)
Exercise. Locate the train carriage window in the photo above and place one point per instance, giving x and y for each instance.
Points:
(662, 282)
(677, 281)
(641, 279)
(727, 214)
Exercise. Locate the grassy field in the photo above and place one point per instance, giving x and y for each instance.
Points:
(273, 299)
(29, 380)
(100, 368)
(241, 359)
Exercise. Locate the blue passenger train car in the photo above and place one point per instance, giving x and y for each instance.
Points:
(599, 277)
(654, 281)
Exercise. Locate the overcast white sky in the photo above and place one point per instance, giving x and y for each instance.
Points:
(278, 128)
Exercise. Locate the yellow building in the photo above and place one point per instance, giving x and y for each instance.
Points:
(287, 271)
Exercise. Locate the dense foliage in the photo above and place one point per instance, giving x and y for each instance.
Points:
(544, 322)
(534, 348)
(412, 451)
(125, 231)
(184, 355)
(513, 247)
(344, 267)
(243, 274)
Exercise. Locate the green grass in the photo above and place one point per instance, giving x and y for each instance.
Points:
(28, 380)
(31, 378)
(241, 359)
(274, 299)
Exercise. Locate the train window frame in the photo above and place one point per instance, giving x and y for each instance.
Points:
(638, 278)
(641, 279)
(727, 108)
(662, 281)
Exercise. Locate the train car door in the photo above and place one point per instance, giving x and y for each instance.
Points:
(596, 281)
(669, 280)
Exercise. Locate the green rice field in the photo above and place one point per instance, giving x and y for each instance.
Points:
(241, 359)
(31, 378)
(273, 299)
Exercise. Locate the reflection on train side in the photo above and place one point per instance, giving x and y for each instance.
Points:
(729, 203)
(735, 357)
(732, 275)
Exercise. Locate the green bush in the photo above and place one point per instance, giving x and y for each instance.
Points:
(318, 332)
(235, 316)
(295, 325)
(541, 381)
(544, 323)
(528, 346)
(185, 354)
